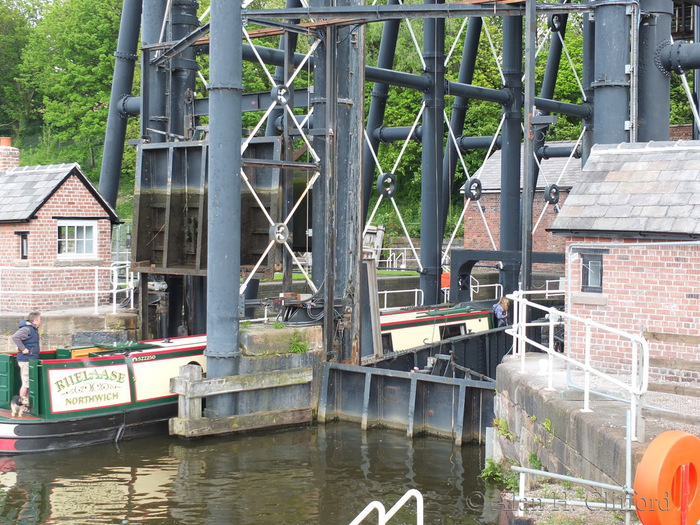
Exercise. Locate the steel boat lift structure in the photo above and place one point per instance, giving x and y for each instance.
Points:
(215, 202)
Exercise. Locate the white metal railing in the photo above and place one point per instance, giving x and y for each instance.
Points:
(624, 504)
(416, 292)
(396, 258)
(112, 281)
(638, 351)
(476, 288)
(554, 287)
(383, 516)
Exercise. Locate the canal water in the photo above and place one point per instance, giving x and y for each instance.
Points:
(312, 475)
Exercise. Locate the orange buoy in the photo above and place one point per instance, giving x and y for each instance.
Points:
(666, 482)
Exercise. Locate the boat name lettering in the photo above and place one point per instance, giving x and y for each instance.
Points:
(97, 398)
(144, 358)
(89, 375)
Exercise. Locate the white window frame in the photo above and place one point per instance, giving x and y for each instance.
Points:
(77, 223)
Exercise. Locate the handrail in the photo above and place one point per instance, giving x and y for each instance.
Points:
(120, 276)
(383, 516)
(417, 297)
(639, 380)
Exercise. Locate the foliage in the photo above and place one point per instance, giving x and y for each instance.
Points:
(278, 325)
(72, 88)
(547, 425)
(297, 345)
(535, 461)
(16, 19)
(501, 426)
(500, 474)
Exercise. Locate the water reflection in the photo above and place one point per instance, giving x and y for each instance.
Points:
(319, 475)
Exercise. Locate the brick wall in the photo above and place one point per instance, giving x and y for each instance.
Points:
(9, 156)
(62, 284)
(647, 289)
(476, 233)
(681, 132)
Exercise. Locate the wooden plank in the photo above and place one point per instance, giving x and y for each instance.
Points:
(675, 364)
(231, 384)
(662, 337)
(241, 423)
(675, 388)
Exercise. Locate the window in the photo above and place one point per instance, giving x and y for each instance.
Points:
(23, 244)
(592, 273)
(76, 239)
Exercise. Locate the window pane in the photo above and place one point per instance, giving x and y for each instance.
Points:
(76, 239)
(595, 277)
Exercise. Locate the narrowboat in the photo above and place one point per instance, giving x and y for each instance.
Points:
(97, 394)
(410, 328)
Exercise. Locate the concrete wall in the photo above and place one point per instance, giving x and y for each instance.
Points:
(552, 426)
(74, 329)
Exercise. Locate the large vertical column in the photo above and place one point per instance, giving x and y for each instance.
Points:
(349, 133)
(510, 156)
(153, 78)
(529, 171)
(319, 194)
(537, 133)
(184, 67)
(431, 231)
(654, 83)
(121, 89)
(224, 198)
(588, 77)
(377, 107)
(611, 84)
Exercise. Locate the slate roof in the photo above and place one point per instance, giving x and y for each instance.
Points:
(556, 170)
(26, 189)
(636, 190)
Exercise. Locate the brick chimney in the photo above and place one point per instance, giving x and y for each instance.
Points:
(9, 156)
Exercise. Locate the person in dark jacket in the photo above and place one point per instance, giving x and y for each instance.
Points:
(27, 340)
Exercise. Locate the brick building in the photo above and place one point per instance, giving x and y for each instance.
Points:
(55, 234)
(478, 230)
(631, 227)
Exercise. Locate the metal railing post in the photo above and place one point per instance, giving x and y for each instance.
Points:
(97, 290)
(587, 371)
(115, 283)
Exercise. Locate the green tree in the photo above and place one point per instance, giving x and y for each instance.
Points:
(69, 63)
(17, 19)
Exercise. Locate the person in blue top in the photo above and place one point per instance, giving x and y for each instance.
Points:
(500, 311)
(27, 340)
